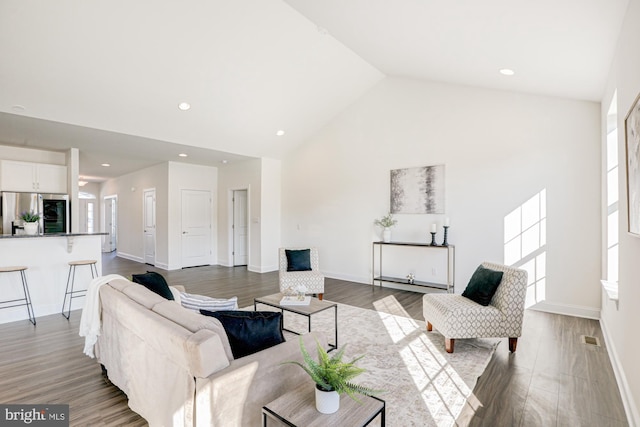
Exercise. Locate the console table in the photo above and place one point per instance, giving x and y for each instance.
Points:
(428, 250)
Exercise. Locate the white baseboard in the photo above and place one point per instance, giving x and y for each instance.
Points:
(163, 266)
(130, 257)
(346, 277)
(630, 408)
(567, 309)
(260, 269)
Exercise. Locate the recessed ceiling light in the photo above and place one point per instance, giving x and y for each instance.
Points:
(184, 106)
(183, 155)
(507, 72)
(106, 165)
(224, 162)
(280, 132)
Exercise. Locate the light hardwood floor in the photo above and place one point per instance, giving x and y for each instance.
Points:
(552, 380)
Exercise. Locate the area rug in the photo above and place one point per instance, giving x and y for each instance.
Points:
(424, 385)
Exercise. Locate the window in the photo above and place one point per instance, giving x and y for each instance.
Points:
(612, 194)
(525, 238)
(90, 217)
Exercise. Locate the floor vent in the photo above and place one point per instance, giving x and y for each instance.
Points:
(590, 340)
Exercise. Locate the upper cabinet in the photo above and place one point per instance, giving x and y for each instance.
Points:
(32, 177)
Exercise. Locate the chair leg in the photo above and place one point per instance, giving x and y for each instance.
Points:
(320, 296)
(513, 343)
(429, 327)
(448, 344)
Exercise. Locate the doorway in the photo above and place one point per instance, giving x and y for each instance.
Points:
(196, 228)
(110, 242)
(240, 228)
(149, 225)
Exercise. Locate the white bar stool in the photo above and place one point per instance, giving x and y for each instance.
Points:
(25, 290)
(72, 278)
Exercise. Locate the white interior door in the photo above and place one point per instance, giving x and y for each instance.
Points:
(196, 228)
(149, 226)
(110, 223)
(240, 227)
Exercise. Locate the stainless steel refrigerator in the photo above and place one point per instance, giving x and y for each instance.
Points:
(52, 208)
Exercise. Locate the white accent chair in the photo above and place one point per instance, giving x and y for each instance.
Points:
(455, 316)
(313, 279)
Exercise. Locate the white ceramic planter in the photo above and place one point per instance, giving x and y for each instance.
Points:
(327, 402)
(31, 228)
(386, 234)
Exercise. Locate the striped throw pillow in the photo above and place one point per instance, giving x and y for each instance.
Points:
(201, 302)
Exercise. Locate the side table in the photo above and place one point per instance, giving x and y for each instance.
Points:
(297, 408)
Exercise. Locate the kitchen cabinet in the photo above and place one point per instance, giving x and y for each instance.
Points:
(32, 177)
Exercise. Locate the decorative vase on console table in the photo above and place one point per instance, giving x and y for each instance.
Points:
(386, 222)
(386, 234)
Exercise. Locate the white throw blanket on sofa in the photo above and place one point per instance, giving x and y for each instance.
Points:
(90, 321)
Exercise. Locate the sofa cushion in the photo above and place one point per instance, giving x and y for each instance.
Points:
(298, 259)
(194, 322)
(483, 285)
(250, 331)
(143, 296)
(154, 282)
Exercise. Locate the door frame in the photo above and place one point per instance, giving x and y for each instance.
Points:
(233, 226)
(114, 199)
(155, 226)
(230, 260)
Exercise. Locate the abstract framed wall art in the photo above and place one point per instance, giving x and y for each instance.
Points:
(418, 190)
(632, 145)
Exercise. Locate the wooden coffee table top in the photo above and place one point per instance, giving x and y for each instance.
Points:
(314, 306)
(298, 408)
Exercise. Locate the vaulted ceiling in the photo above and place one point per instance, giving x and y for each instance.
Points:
(107, 76)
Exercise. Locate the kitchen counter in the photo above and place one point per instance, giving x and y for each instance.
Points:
(47, 258)
(26, 236)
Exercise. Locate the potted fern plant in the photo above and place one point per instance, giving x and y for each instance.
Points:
(333, 377)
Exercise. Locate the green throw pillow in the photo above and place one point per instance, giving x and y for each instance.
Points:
(483, 285)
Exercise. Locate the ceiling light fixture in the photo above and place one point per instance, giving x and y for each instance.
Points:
(507, 72)
(106, 165)
(224, 162)
(280, 132)
(183, 155)
(184, 106)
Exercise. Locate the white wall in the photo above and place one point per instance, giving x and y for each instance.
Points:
(240, 176)
(129, 189)
(184, 176)
(271, 213)
(500, 149)
(32, 155)
(619, 323)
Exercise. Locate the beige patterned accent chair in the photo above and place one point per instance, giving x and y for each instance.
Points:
(312, 279)
(455, 316)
